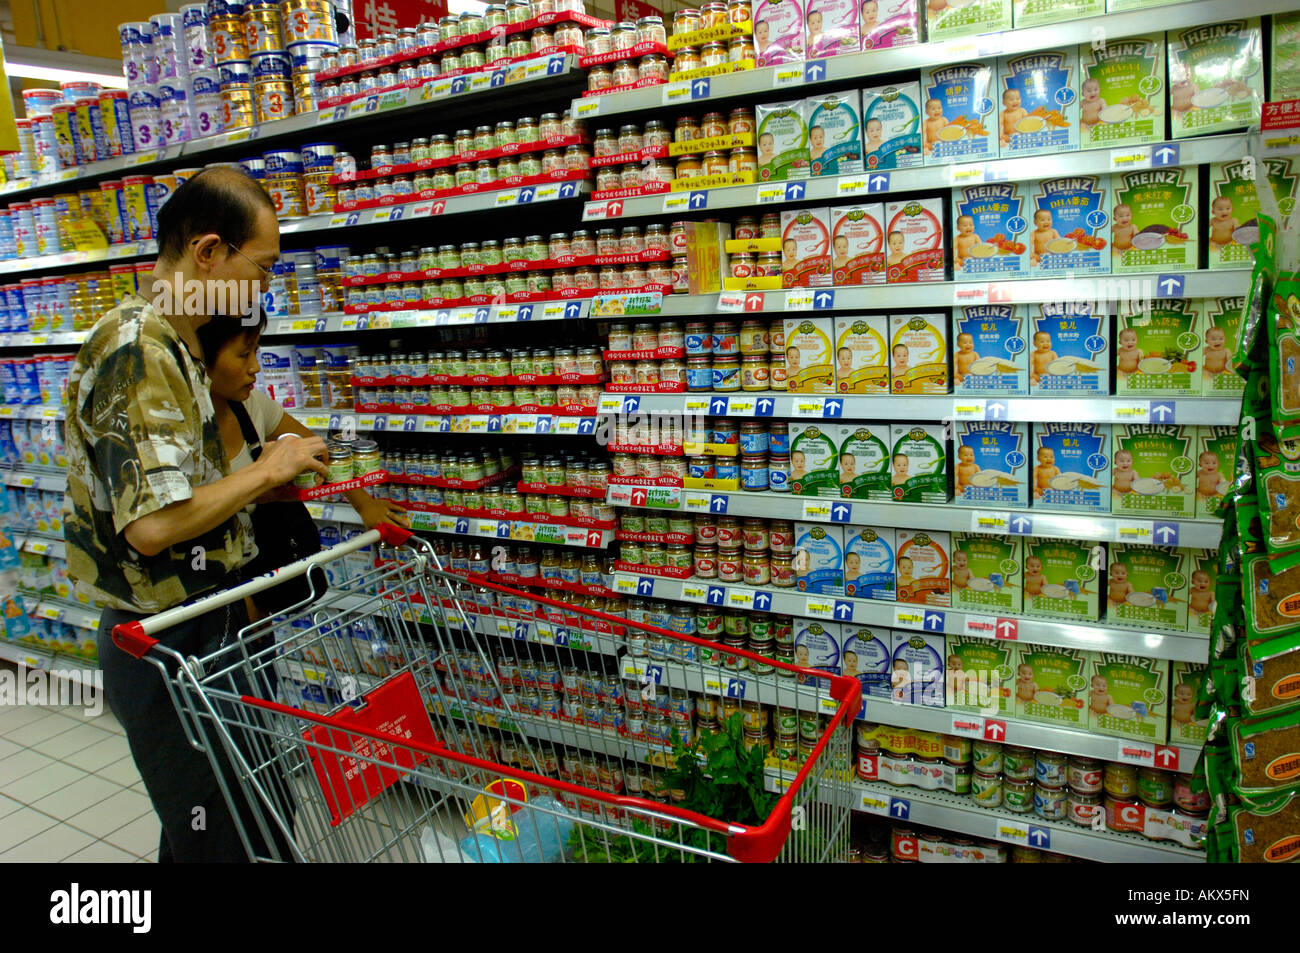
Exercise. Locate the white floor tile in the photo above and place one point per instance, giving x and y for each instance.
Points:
(101, 853)
(19, 715)
(8, 747)
(33, 733)
(86, 792)
(122, 772)
(112, 813)
(22, 764)
(77, 738)
(139, 837)
(45, 781)
(108, 721)
(8, 805)
(21, 825)
(99, 755)
(49, 846)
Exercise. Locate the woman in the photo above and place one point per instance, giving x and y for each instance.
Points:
(230, 353)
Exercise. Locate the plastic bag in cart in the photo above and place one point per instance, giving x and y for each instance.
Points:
(542, 829)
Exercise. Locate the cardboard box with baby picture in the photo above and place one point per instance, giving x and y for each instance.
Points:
(1222, 320)
(1233, 222)
(806, 248)
(979, 674)
(778, 31)
(990, 350)
(884, 24)
(922, 563)
(1063, 578)
(865, 461)
(1051, 684)
(831, 28)
(891, 126)
(1122, 91)
(1185, 680)
(959, 119)
(1069, 352)
(946, 19)
(858, 244)
(782, 139)
(1151, 471)
(1147, 586)
(869, 563)
(1128, 697)
(989, 225)
(1203, 578)
(809, 359)
(916, 674)
(1037, 12)
(867, 655)
(986, 573)
(1154, 220)
(1038, 106)
(1158, 348)
(862, 354)
(1068, 225)
(919, 463)
(817, 645)
(1216, 459)
(819, 558)
(814, 461)
(918, 353)
(914, 241)
(1216, 77)
(1071, 467)
(992, 464)
(835, 132)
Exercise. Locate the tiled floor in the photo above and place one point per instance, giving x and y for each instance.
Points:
(69, 790)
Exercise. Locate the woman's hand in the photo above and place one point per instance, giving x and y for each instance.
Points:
(373, 512)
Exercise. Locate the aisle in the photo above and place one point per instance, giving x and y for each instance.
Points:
(69, 790)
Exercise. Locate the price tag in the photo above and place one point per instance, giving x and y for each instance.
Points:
(478, 424)
(26, 481)
(39, 547)
(791, 75)
(696, 405)
(677, 203)
(741, 406)
(740, 598)
(675, 93)
(568, 426)
(694, 592)
(610, 404)
(989, 44)
(968, 408)
(1012, 832)
(1130, 412)
(625, 584)
(1132, 157)
(808, 406)
(695, 502)
(981, 626)
(1134, 531)
(875, 804)
(850, 187)
(242, 135)
(771, 193)
(731, 301)
(817, 510)
(798, 300)
(1135, 752)
(968, 726)
(908, 617)
(585, 108)
(989, 521)
(966, 174)
(507, 198)
(820, 608)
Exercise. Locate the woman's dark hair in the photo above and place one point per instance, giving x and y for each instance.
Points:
(220, 331)
(222, 199)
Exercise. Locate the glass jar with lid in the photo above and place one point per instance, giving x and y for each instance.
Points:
(629, 138)
(651, 30)
(686, 21)
(596, 41)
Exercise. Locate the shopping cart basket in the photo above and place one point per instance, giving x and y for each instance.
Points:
(570, 704)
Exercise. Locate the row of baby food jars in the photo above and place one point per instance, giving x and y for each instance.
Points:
(624, 36)
(542, 361)
(578, 470)
(501, 397)
(571, 159)
(757, 553)
(505, 499)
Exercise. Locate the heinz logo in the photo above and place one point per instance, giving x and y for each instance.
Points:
(1282, 850)
(1287, 687)
(916, 433)
(921, 539)
(1039, 61)
(1122, 50)
(1153, 177)
(978, 193)
(867, 536)
(961, 71)
(1213, 31)
(817, 533)
(1284, 768)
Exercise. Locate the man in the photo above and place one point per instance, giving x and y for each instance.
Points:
(154, 517)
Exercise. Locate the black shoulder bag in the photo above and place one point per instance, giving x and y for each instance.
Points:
(285, 533)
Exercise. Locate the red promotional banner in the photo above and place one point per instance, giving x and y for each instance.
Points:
(634, 9)
(374, 17)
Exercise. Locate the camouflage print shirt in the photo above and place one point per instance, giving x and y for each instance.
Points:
(141, 434)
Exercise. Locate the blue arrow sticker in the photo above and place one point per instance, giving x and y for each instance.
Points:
(441, 317)
(554, 65)
(1170, 286)
(494, 423)
(320, 325)
(458, 85)
(933, 621)
(335, 422)
(764, 407)
(900, 808)
(877, 182)
(700, 89)
(1161, 412)
(586, 425)
(814, 71)
(735, 688)
(352, 219)
(1165, 154)
(381, 423)
(481, 315)
(525, 196)
(1040, 837)
(843, 611)
(645, 587)
(762, 601)
(543, 425)
(794, 191)
(521, 631)
(653, 673)
(716, 595)
(395, 214)
(833, 407)
(525, 313)
(631, 404)
(1165, 534)
(462, 526)
(1021, 525)
(498, 78)
(573, 309)
(568, 190)
(823, 300)
(718, 505)
(718, 406)
(372, 103)
(363, 322)
(444, 425)
(840, 512)
(410, 424)
(995, 410)
(562, 637)
(503, 529)
(698, 201)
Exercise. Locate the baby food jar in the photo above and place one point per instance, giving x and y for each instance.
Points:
(1190, 795)
(1049, 768)
(778, 473)
(1120, 780)
(753, 337)
(1018, 796)
(706, 564)
(1084, 775)
(706, 530)
(753, 472)
(1083, 806)
(726, 341)
(1155, 787)
(987, 756)
(757, 569)
(782, 571)
(739, 49)
(731, 564)
(1050, 802)
(986, 789)
(1017, 762)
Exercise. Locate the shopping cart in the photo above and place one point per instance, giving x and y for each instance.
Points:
(414, 742)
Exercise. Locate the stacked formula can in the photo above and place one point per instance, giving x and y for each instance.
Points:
(141, 68)
(309, 36)
(283, 181)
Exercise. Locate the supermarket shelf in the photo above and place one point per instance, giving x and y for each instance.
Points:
(338, 512)
(1094, 636)
(985, 518)
(955, 813)
(551, 70)
(112, 253)
(551, 424)
(48, 339)
(784, 83)
(872, 186)
(42, 545)
(61, 610)
(31, 412)
(546, 633)
(38, 479)
(34, 657)
(921, 296)
(515, 530)
(439, 317)
(1112, 409)
(598, 740)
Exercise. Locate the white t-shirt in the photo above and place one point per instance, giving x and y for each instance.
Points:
(266, 415)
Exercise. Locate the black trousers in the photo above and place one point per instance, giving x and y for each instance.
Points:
(198, 825)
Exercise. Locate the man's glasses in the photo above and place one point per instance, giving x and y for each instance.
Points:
(264, 271)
